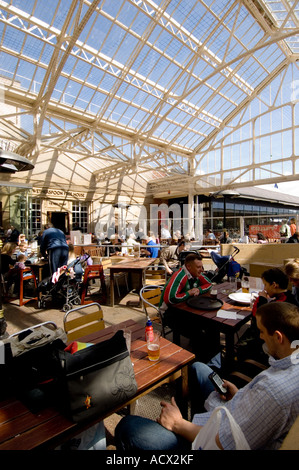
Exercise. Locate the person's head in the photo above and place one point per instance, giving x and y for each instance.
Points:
(274, 280)
(193, 263)
(278, 323)
(8, 248)
(292, 271)
(23, 246)
(181, 246)
(151, 235)
(260, 236)
(71, 248)
(115, 240)
(21, 258)
(293, 220)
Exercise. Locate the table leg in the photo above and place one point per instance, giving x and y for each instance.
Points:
(228, 359)
(112, 289)
(184, 392)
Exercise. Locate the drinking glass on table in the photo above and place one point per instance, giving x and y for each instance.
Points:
(245, 285)
(213, 293)
(153, 346)
(232, 284)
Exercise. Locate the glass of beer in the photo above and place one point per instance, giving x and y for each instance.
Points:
(245, 286)
(153, 346)
(213, 293)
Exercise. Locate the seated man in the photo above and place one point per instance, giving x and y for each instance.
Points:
(170, 256)
(115, 249)
(187, 282)
(152, 248)
(265, 409)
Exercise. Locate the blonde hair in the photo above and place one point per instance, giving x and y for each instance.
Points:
(292, 268)
(8, 248)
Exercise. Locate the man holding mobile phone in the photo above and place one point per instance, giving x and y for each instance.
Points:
(265, 409)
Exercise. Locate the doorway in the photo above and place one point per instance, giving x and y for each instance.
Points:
(59, 220)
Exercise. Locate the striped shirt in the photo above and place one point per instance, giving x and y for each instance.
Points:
(265, 409)
(176, 290)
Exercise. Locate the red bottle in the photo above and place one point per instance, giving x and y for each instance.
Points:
(149, 331)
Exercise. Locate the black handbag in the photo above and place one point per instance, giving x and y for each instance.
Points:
(31, 368)
(98, 378)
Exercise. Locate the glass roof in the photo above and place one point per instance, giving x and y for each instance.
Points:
(141, 87)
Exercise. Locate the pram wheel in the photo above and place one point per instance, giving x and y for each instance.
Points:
(66, 307)
(41, 303)
(77, 301)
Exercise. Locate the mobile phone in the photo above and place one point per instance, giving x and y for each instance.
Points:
(218, 383)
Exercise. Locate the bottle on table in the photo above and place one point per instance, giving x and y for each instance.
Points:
(149, 330)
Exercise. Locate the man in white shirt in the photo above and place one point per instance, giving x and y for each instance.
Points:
(265, 408)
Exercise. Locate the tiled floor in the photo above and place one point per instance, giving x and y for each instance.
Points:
(18, 318)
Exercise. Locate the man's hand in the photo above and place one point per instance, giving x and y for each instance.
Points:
(231, 390)
(170, 416)
(171, 419)
(194, 291)
(264, 293)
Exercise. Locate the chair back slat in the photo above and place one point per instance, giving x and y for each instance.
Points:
(89, 320)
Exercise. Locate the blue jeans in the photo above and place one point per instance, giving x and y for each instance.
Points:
(58, 257)
(137, 433)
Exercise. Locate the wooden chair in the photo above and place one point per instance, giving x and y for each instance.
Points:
(108, 262)
(155, 275)
(291, 441)
(91, 273)
(26, 275)
(86, 319)
(150, 298)
(95, 253)
(245, 371)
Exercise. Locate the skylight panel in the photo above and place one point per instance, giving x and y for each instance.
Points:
(126, 48)
(32, 48)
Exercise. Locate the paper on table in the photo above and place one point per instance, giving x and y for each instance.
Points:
(228, 314)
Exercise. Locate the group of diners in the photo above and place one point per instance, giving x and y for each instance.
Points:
(266, 408)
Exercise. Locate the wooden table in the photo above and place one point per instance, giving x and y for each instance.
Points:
(38, 269)
(209, 319)
(20, 429)
(135, 265)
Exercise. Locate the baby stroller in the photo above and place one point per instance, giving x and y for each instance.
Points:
(226, 265)
(64, 285)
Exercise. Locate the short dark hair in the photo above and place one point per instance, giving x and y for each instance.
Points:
(276, 275)
(192, 257)
(280, 316)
